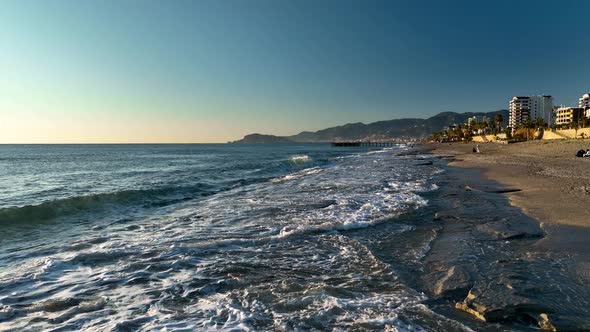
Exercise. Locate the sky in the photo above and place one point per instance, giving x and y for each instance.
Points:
(143, 71)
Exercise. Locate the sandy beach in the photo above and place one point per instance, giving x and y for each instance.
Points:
(554, 184)
(543, 178)
(549, 184)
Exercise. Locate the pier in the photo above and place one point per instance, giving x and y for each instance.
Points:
(365, 143)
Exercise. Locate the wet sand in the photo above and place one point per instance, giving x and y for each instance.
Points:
(554, 184)
(551, 186)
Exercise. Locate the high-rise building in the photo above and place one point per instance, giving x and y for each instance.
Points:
(530, 107)
(520, 108)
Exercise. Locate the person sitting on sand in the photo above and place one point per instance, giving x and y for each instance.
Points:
(580, 153)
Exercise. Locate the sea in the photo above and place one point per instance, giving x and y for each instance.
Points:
(224, 237)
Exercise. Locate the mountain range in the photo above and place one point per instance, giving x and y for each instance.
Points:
(397, 128)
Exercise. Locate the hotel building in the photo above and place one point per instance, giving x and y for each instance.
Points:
(531, 107)
(566, 115)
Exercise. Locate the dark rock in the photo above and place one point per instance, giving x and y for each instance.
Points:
(509, 230)
(6, 312)
(444, 216)
(446, 281)
(503, 191)
(499, 302)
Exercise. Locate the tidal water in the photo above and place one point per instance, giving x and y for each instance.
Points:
(192, 237)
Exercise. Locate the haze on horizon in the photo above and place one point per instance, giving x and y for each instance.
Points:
(212, 71)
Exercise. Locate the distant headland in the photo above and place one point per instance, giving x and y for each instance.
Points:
(260, 138)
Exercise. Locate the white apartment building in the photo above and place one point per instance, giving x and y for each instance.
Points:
(532, 107)
(585, 104)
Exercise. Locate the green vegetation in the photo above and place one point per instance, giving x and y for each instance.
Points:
(498, 120)
(464, 132)
(528, 130)
(508, 131)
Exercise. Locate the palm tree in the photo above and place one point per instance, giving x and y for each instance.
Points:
(498, 120)
(527, 124)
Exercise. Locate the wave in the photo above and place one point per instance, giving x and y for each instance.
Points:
(299, 174)
(345, 215)
(77, 204)
(299, 159)
(419, 186)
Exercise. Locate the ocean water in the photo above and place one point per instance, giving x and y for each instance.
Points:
(211, 237)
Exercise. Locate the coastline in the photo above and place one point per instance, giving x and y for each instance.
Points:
(554, 184)
(542, 178)
(542, 181)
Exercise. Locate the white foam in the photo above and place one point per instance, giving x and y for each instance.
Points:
(378, 151)
(299, 159)
(346, 216)
(298, 174)
(184, 269)
(412, 186)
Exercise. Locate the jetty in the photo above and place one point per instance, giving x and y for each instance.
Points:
(366, 143)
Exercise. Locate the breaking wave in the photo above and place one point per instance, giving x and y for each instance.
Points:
(300, 159)
(78, 204)
(273, 251)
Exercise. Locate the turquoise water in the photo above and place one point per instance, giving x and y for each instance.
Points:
(182, 237)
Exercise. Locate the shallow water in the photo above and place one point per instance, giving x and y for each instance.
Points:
(283, 237)
(204, 236)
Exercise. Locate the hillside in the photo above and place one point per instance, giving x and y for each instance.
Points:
(399, 128)
(259, 139)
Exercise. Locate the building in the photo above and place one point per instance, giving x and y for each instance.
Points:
(585, 104)
(477, 119)
(566, 115)
(519, 111)
(585, 101)
(530, 107)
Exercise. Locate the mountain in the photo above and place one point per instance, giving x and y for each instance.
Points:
(399, 128)
(259, 138)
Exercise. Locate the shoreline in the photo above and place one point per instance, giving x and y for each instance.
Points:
(546, 176)
(535, 180)
(543, 179)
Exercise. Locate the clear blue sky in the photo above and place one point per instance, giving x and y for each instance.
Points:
(212, 71)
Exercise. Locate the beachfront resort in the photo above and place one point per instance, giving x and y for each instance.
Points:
(529, 117)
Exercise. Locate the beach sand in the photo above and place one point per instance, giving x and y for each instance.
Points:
(543, 178)
(554, 184)
(549, 184)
